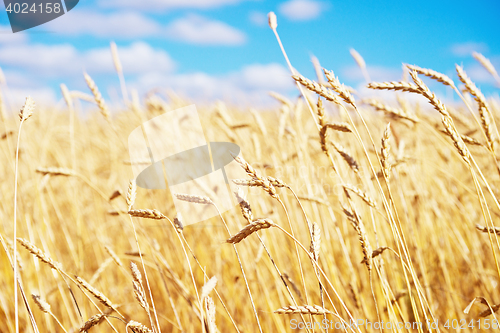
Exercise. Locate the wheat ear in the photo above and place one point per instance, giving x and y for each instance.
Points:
(398, 86)
(246, 210)
(315, 241)
(384, 152)
(363, 238)
(24, 114)
(483, 107)
(178, 222)
(55, 171)
(396, 113)
(194, 198)
(45, 308)
(365, 197)
(39, 254)
(139, 293)
(305, 309)
(91, 322)
(210, 311)
(131, 193)
(486, 63)
(97, 96)
(431, 97)
(250, 229)
(97, 294)
(138, 327)
(339, 88)
(361, 63)
(147, 214)
(440, 77)
(488, 229)
(346, 156)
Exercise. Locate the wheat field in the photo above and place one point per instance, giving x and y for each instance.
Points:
(359, 210)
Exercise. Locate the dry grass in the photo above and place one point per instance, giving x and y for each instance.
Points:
(436, 207)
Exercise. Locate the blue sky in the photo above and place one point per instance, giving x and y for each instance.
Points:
(224, 49)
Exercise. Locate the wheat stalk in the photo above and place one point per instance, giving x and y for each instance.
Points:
(317, 88)
(431, 97)
(25, 112)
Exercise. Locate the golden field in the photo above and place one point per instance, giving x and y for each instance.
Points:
(358, 219)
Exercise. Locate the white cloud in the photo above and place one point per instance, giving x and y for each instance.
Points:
(122, 24)
(376, 73)
(258, 18)
(48, 59)
(193, 29)
(42, 96)
(248, 86)
(466, 49)
(196, 29)
(64, 59)
(7, 36)
(153, 5)
(136, 58)
(301, 10)
(265, 77)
